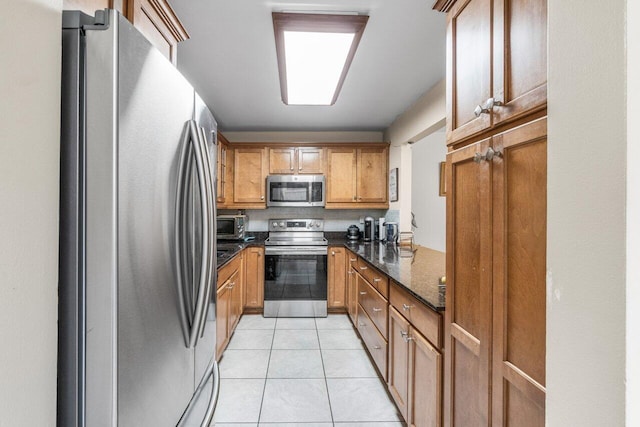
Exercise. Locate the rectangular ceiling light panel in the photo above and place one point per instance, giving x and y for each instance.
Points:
(314, 54)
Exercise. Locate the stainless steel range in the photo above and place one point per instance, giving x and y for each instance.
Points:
(295, 279)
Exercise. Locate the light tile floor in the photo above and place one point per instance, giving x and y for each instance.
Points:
(300, 372)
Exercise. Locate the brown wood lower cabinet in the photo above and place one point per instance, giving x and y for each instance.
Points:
(352, 288)
(229, 301)
(336, 278)
(415, 373)
(254, 277)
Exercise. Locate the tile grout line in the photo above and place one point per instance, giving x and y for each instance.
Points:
(324, 373)
(266, 374)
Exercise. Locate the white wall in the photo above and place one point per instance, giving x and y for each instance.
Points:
(422, 118)
(29, 145)
(586, 214)
(427, 206)
(633, 214)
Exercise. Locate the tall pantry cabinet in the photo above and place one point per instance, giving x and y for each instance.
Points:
(495, 319)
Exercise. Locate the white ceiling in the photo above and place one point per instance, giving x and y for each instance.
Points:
(231, 60)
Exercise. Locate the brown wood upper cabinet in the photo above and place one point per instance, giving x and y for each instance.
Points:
(249, 178)
(296, 160)
(153, 18)
(496, 63)
(357, 178)
(222, 184)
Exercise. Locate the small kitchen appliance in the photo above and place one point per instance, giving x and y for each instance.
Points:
(353, 233)
(392, 232)
(369, 229)
(230, 227)
(295, 191)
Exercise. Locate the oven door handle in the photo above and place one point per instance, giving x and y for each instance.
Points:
(295, 250)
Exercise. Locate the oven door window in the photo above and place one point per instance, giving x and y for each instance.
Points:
(295, 277)
(289, 192)
(226, 227)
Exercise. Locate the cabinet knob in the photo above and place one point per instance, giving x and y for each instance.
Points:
(333, 253)
(488, 156)
(487, 107)
(291, 167)
(261, 197)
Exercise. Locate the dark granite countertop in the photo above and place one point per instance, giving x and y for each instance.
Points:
(227, 249)
(418, 272)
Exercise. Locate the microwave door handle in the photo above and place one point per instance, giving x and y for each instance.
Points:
(180, 235)
(200, 305)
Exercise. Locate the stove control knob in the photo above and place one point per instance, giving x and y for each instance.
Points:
(274, 224)
(281, 224)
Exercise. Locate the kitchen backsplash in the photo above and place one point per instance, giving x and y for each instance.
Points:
(334, 219)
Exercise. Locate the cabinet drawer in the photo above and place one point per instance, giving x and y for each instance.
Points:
(225, 272)
(425, 320)
(378, 280)
(375, 343)
(374, 304)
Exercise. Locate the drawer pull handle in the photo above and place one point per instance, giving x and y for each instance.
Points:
(377, 279)
(361, 324)
(406, 307)
(403, 333)
(363, 268)
(352, 259)
(377, 347)
(375, 309)
(363, 292)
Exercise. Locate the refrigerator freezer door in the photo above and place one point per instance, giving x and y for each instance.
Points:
(139, 372)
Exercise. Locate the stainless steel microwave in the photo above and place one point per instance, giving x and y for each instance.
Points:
(230, 227)
(295, 190)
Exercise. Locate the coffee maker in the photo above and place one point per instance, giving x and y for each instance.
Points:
(369, 229)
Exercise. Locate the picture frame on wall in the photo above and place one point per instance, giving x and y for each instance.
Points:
(393, 185)
(443, 181)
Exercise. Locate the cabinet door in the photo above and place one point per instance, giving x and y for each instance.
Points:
(398, 380)
(519, 268)
(468, 67)
(425, 372)
(235, 300)
(352, 292)
(336, 290)
(254, 277)
(221, 183)
(519, 57)
(310, 160)
(223, 302)
(468, 315)
(249, 176)
(372, 175)
(341, 175)
(282, 160)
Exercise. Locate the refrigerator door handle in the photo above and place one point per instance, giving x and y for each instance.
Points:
(184, 168)
(212, 371)
(211, 219)
(201, 302)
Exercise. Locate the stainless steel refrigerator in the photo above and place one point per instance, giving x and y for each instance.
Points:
(137, 234)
